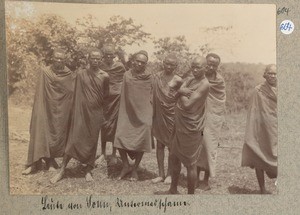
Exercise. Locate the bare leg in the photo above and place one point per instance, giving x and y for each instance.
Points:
(169, 171)
(160, 156)
(88, 174)
(61, 172)
(176, 168)
(206, 181)
(51, 164)
(191, 178)
(261, 181)
(138, 158)
(126, 168)
(113, 160)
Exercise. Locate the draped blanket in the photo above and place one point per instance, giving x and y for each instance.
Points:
(215, 111)
(186, 140)
(51, 114)
(163, 110)
(112, 103)
(135, 114)
(87, 116)
(260, 148)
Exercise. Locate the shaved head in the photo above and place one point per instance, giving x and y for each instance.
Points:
(108, 49)
(171, 57)
(201, 61)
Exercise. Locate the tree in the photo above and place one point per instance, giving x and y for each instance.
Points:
(119, 31)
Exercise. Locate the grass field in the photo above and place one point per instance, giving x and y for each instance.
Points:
(230, 179)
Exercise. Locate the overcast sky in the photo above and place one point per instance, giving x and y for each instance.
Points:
(251, 34)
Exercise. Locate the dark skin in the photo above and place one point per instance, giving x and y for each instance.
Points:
(212, 65)
(58, 63)
(191, 103)
(271, 77)
(94, 60)
(170, 64)
(108, 59)
(139, 65)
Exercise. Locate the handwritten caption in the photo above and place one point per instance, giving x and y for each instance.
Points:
(91, 202)
(283, 10)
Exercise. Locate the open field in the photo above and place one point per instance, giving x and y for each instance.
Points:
(231, 178)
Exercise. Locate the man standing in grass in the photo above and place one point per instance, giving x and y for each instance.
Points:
(164, 100)
(115, 70)
(260, 148)
(92, 87)
(133, 134)
(51, 114)
(186, 143)
(215, 111)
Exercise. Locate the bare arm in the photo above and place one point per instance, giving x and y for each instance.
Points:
(200, 94)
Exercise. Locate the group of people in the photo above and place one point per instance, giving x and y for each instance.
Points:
(131, 108)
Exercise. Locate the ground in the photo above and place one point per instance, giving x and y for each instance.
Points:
(230, 179)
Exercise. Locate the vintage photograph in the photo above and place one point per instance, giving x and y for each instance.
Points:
(141, 99)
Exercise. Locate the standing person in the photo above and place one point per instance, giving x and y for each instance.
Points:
(260, 148)
(186, 142)
(215, 111)
(133, 135)
(164, 101)
(50, 114)
(92, 87)
(116, 72)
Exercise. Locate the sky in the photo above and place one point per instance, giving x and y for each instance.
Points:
(247, 32)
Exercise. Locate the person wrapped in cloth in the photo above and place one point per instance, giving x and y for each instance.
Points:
(92, 87)
(260, 147)
(51, 114)
(214, 119)
(186, 140)
(133, 134)
(115, 70)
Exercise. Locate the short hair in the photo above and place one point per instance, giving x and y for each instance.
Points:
(93, 50)
(214, 56)
(108, 49)
(142, 52)
(172, 56)
(59, 50)
(269, 67)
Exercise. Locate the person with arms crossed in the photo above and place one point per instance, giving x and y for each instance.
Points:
(186, 143)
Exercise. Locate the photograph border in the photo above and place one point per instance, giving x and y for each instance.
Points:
(287, 199)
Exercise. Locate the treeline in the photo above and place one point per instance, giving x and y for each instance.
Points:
(30, 44)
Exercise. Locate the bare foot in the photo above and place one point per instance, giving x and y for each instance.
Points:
(51, 169)
(134, 176)
(157, 180)
(204, 187)
(57, 177)
(29, 170)
(168, 180)
(124, 172)
(101, 159)
(113, 161)
(89, 177)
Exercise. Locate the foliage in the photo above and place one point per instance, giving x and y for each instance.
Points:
(118, 30)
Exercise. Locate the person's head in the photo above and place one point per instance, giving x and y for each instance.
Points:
(59, 59)
(140, 60)
(94, 58)
(170, 63)
(270, 75)
(198, 67)
(109, 53)
(212, 61)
